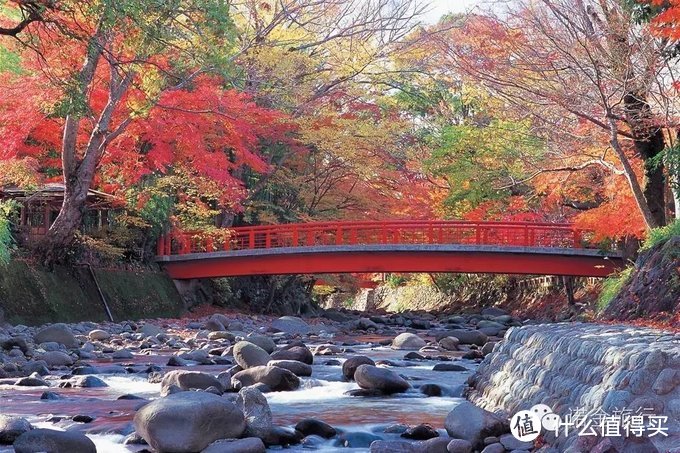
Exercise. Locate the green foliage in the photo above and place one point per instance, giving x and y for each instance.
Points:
(6, 241)
(395, 280)
(660, 235)
(612, 286)
(478, 160)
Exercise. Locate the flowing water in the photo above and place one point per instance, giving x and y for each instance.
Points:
(321, 396)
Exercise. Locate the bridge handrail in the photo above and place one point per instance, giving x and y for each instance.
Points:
(537, 234)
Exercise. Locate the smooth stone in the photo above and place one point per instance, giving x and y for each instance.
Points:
(11, 428)
(187, 380)
(314, 427)
(449, 343)
(299, 368)
(464, 336)
(299, 353)
(469, 422)
(511, 443)
(99, 335)
(188, 421)
(420, 432)
(459, 446)
(350, 365)
(277, 379)
(59, 333)
(356, 440)
(373, 378)
(262, 341)
(408, 341)
(52, 441)
(249, 355)
(57, 358)
(291, 325)
(246, 445)
(449, 367)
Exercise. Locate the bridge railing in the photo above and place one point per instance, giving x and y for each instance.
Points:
(527, 234)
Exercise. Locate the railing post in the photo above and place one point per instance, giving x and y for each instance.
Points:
(338, 236)
(478, 234)
(251, 239)
(267, 240)
(430, 234)
(209, 245)
(160, 246)
(526, 235)
(296, 236)
(353, 236)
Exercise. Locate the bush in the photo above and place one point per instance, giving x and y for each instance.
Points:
(6, 239)
(612, 286)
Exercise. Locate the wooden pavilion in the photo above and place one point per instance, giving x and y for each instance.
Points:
(40, 207)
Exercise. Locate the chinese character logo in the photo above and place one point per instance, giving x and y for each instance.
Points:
(528, 425)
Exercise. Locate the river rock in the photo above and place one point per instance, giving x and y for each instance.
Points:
(122, 354)
(469, 422)
(246, 445)
(277, 379)
(262, 341)
(464, 336)
(459, 446)
(420, 432)
(291, 325)
(299, 368)
(448, 367)
(510, 442)
(249, 355)
(356, 439)
(59, 333)
(87, 382)
(394, 446)
(299, 353)
(350, 365)
(57, 358)
(408, 341)
(449, 343)
(314, 427)
(386, 381)
(52, 441)
(11, 428)
(99, 335)
(256, 411)
(150, 330)
(187, 380)
(188, 421)
(213, 325)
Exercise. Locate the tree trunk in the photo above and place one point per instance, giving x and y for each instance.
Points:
(61, 235)
(649, 143)
(649, 218)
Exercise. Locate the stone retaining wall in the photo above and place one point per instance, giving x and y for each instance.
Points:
(572, 366)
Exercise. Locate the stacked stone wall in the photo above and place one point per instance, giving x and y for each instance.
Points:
(585, 366)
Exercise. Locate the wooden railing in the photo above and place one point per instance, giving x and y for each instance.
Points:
(527, 234)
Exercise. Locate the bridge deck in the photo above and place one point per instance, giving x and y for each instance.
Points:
(369, 258)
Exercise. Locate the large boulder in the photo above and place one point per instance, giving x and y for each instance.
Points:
(299, 353)
(291, 325)
(58, 333)
(256, 410)
(249, 355)
(469, 422)
(350, 365)
(408, 341)
(52, 441)
(188, 422)
(11, 428)
(386, 381)
(299, 368)
(187, 380)
(277, 379)
(464, 336)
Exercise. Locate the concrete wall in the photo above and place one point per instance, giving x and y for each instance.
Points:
(571, 366)
(32, 296)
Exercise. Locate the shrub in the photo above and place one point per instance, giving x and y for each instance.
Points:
(660, 235)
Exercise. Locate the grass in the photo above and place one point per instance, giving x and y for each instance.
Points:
(612, 286)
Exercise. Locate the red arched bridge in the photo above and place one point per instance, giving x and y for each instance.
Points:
(388, 246)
